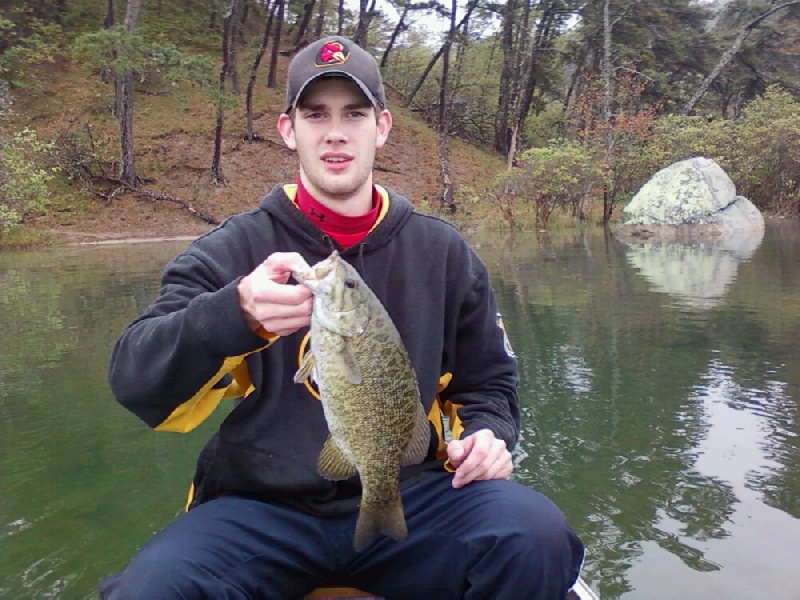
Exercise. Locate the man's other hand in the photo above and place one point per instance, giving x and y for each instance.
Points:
(479, 456)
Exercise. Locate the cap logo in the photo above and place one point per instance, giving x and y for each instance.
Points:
(331, 54)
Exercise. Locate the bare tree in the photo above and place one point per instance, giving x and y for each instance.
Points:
(108, 23)
(435, 58)
(227, 28)
(308, 12)
(408, 5)
(446, 199)
(125, 90)
(272, 78)
(399, 28)
(322, 6)
(366, 11)
(232, 59)
(524, 37)
(250, 135)
(213, 13)
(728, 55)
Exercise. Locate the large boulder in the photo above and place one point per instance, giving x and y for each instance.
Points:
(693, 196)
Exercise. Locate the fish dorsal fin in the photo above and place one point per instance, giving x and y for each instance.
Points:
(333, 464)
(417, 448)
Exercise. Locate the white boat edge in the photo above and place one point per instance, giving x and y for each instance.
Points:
(582, 591)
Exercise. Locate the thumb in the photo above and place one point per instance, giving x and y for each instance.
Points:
(456, 451)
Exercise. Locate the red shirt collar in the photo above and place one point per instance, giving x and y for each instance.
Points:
(346, 231)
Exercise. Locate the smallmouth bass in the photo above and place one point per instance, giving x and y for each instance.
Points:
(369, 395)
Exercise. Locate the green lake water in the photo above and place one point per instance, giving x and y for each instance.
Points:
(660, 391)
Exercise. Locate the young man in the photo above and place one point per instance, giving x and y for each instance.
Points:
(229, 323)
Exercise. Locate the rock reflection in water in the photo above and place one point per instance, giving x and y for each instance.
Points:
(697, 270)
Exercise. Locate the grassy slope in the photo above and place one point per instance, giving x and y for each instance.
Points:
(173, 131)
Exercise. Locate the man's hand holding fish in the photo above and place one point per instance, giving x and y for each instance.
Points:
(267, 302)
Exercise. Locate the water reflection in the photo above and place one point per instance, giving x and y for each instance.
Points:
(615, 426)
(698, 271)
(737, 452)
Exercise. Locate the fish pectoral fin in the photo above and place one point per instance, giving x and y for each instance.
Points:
(333, 464)
(306, 368)
(417, 448)
(346, 364)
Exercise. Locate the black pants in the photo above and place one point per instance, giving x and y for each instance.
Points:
(490, 540)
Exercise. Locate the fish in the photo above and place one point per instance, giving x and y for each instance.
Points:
(369, 393)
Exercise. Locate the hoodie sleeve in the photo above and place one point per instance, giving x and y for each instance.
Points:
(482, 392)
(176, 362)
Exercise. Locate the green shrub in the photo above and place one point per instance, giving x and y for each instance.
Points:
(765, 154)
(23, 177)
(558, 177)
(39, 45)
(121, 51)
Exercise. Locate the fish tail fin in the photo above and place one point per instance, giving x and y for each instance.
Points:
(387, 519)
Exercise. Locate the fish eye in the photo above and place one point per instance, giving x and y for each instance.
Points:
(350, 283)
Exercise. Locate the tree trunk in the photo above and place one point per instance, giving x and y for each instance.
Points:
(545, 29)
(272, 77)
(105, 75)
(233, 35)
(125, 82)
(434, 59)
(127, 155)
(308, 11)
(728, 55)
(446, 201)
(520, 66)
(245, 13)
(360, 36)
(250, 135)
(502, 138)
(400, 28)
(410, 97)
(365, 13)
(216, 163)
(606, 69)
(213, 13)
(320, 19)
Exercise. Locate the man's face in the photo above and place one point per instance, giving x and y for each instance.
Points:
(335, 132)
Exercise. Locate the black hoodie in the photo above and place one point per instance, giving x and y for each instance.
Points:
(192, 348)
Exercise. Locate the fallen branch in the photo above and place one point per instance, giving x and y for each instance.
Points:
(195, 211)
(385, 170)
(200, 214)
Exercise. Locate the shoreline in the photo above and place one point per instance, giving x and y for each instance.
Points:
(135, 240)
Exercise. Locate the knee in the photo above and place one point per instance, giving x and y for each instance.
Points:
(533, 533)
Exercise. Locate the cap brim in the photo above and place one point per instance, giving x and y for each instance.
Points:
(361, 86)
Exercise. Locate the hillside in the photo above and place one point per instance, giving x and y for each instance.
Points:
(174, 129)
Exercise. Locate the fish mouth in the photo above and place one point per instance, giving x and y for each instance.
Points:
(323, 269)
(319, 277)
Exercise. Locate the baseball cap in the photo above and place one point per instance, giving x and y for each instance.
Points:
(334, 56)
